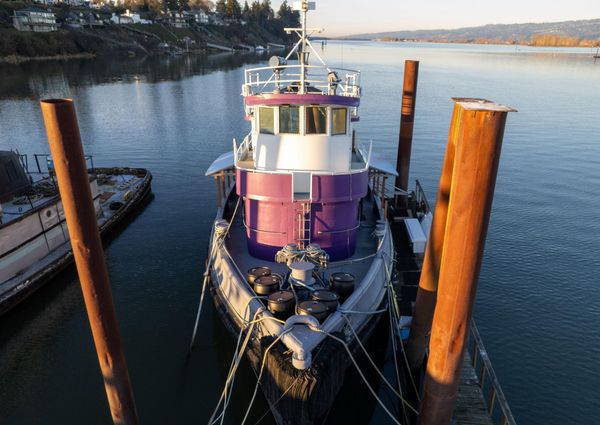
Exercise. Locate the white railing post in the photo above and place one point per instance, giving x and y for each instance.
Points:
(235, 152)
(368, 162)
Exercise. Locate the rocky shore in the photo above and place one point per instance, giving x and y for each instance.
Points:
(131, 40)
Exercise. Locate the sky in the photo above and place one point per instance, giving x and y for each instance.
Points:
(346, 17)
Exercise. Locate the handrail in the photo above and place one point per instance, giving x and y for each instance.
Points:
(421, 197)
(329, 232)
(364, 152)
(264, 68)
(241, 150)
(36, 156)
(283, 76)
(24, 161)
(252, 229)
(496, 395)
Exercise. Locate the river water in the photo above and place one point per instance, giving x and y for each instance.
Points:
(538, 302)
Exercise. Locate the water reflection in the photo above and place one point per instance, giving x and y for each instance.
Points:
(35, 79)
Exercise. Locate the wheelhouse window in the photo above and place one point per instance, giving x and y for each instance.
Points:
(339, 121)
(316, 120)
(266, 118)
(289, 119)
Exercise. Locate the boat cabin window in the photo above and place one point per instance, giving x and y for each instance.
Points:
(316, 120)
(266, 118)
(289, 119)
(339, 120)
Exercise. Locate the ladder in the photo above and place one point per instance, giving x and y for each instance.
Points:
(302, 219)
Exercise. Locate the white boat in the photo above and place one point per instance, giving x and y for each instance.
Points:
(34, 239)
(301, 253)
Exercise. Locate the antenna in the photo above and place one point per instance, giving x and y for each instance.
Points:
(303, 7)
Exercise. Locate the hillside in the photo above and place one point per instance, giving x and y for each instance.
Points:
(508, 33)
(128, 40)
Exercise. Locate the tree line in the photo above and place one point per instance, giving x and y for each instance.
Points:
(557, 40)
(258, 11)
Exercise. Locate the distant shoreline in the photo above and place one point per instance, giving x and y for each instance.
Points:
(583, 44)
(573, 33)
(17, 59)
(478, 43)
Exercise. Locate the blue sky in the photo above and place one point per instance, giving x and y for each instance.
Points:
(344, 17)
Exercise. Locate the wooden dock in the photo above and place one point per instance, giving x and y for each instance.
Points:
(471, 407)
(474, 396)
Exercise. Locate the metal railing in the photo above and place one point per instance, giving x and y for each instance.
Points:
(488, 382)
(286, 78)
(47, 163)
(241, 151)
(422, 204)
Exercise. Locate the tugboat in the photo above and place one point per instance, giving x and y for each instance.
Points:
(301, 253)
(34, 240)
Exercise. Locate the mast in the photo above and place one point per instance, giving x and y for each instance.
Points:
(303, 46)
(303, 53)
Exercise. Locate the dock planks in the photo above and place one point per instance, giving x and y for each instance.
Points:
(471, 407)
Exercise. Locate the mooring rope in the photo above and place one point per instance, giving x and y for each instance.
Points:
(398, 394)
(237, 357)
(396, 313)
(394, 346)
(337, 264)
(232, 368)
(343, 311)
(289, 388)
(262, 368)
(394, 317)
(207, 271)
(279, 399)
(360, 372)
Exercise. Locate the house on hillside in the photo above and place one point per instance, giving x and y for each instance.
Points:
(176, 19)
(86, 19)
(68, 2)
(121, 19)
(48, 2)
(35, 19)
(128, 18)
(113, 3)
(197, 16)
(137, 19)
(215, 19)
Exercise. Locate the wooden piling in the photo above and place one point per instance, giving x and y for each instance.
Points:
(477, 153)
(74, 186)
(407, 117)
(428, 282)
(218, 191)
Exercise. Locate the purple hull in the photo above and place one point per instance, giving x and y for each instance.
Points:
(270, 212)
